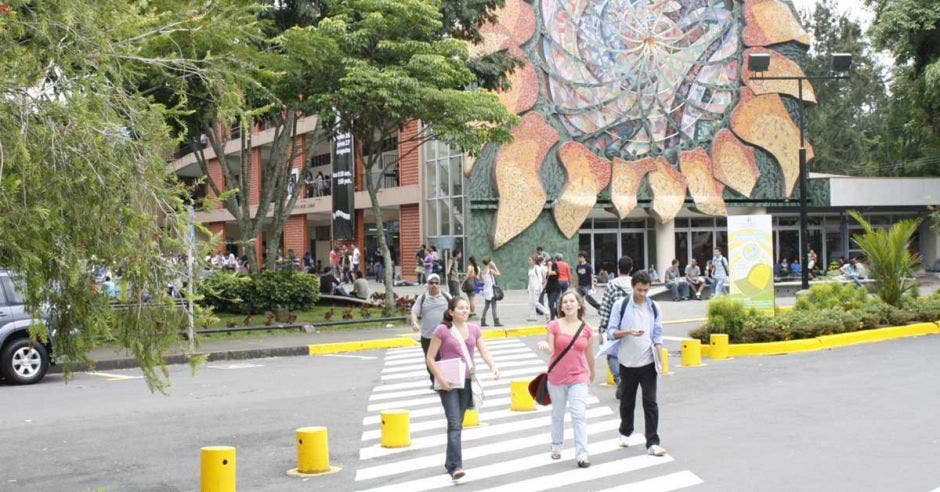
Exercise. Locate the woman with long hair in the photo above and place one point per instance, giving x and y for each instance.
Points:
(534, 288)
(456, 338)
(488, 275)
(470, 281)
(571, 377)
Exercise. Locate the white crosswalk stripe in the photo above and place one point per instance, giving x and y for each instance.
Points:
(509, 450)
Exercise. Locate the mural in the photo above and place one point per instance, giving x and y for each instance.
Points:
(631, 95)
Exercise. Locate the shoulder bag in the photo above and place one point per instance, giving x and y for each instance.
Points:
(538, 387)
(475, 387)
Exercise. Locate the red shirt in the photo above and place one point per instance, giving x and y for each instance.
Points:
(334, 258)
(564, 272)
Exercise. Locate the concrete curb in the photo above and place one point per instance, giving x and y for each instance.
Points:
(829, 341)
(130, 362)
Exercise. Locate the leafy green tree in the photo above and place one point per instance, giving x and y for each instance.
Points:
(83, 176)
(371, 67)
(890, 259)
(849, 120)
(910, 29)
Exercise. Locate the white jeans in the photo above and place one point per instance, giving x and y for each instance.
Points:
(534, 305)
(574, 397)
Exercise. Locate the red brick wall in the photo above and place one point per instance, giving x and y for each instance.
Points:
(296, 235)
(409, 239)
(254, 195)
(408, 165)
(215, 174)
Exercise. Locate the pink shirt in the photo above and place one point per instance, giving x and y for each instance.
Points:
(573, 368)
(450, 346)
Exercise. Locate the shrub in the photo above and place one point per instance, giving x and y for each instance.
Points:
(923, 308)
(830, 295)
(728, 316)
(259, 292)
(892, 262)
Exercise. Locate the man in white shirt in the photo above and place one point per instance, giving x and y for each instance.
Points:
(637, 334)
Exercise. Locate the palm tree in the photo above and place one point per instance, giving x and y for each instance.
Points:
(891, 262)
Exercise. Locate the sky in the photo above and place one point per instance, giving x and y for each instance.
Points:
(856, 9)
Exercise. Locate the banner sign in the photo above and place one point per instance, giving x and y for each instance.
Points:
(751, 258)
(343, 186)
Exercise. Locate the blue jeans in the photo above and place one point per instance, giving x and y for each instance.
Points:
(573, 396)
(681, 287)
(455, 403)
(614, 366)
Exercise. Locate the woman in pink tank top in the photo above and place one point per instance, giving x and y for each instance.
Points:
(571, 377)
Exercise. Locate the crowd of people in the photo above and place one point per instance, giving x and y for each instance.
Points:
(631, 342)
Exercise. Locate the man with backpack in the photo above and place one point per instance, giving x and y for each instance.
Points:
(635, 334)
(429, 309)
(720, 263)
(616, 289)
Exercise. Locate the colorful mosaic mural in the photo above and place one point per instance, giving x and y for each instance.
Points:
(623, 93)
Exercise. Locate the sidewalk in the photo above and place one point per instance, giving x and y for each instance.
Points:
(513, 311)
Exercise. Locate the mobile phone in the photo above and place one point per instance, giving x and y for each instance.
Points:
(639, 332)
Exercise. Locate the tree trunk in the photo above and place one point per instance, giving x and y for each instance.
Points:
(389, 307)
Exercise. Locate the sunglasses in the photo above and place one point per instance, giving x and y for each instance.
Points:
(434, 283)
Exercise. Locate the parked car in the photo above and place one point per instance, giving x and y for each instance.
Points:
(21, 361)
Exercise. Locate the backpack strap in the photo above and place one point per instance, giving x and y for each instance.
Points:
(623, 308)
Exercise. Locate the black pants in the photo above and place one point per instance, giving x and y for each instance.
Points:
(425, 344)
(587, 297)
(630, 378)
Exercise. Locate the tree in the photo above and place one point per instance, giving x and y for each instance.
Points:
(849, 120)
(910, 29)
(83, 175)
(380, 65)
(889, 256)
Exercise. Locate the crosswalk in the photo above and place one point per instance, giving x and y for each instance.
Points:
(509, 450)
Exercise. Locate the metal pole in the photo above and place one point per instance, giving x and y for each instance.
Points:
(804, 234)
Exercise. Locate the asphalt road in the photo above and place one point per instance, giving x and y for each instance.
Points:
(855, 418)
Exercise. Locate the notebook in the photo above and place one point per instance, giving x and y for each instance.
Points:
(452, 370)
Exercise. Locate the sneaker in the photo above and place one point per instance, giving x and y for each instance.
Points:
(698, 297)
(624, 441)
(457, 474)
(656, 450)
(556, 455)
(584, 462)
(619, 392)
(497, 324)
(483, 324)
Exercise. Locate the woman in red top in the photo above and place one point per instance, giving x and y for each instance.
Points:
(570, 379)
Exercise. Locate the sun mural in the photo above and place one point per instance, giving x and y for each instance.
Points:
(627, 92)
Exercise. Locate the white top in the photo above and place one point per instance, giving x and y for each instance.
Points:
(637, 351)
(355, 256)
(535, 278)
(488, 281)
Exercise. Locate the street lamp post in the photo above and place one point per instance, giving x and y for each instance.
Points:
(839, 62)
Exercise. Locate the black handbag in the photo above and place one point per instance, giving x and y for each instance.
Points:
(498, 293)
(538, 387)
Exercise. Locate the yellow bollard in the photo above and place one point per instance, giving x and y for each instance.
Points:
(396, 430)
(664, 358)
(610, 377)
(471, 418)
(313, 450)
(520, 399)
(691, 353)
(218, 469)
(719, 343)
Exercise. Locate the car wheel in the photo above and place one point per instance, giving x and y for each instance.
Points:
(22, 362)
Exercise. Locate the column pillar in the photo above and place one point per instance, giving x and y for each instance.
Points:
(665, 245)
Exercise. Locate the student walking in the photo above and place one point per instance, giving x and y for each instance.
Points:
(470, 281)
(428, 311)
(616, 289)
(534, 288)
(586, 280)
(635, 334)
(720, 273)
(456, 338)
(570, 373)
(489, 274)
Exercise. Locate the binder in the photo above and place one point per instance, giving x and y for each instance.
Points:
(452, 370)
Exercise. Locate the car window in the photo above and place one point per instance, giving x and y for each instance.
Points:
(13, 295)
(3, 297)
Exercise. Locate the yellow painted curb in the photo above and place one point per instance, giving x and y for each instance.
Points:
(381, 343)
(832, 341)
(491, 334)
(525, 331)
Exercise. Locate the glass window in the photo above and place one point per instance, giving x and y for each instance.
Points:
(606, 224)
(631, 244)
(431, 219)
(456, 175)
(788, 245)
(457, 211)
(605, 252)
(443, 181)
(14, 296)
(444, 205)
(682, 248)
(633, 224)
(786, 221)
(706, 223)
(584, 244)
(701, 246)
(834, 249)
(431, 148)
(430, 181)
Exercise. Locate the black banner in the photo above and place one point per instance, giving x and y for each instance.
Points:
(344, 188)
